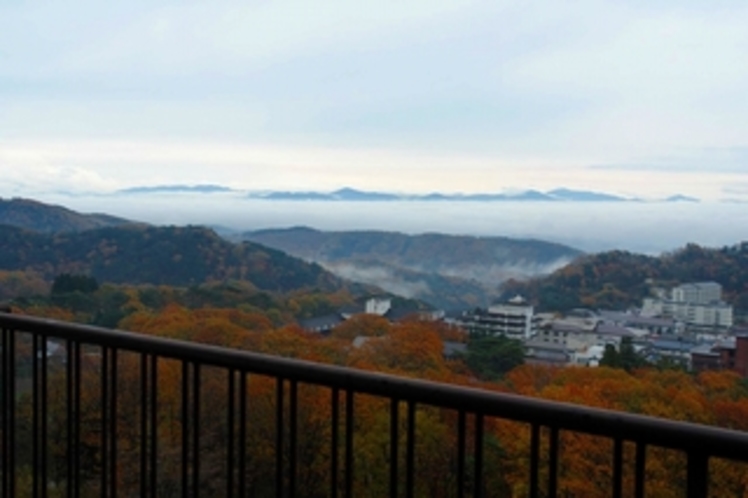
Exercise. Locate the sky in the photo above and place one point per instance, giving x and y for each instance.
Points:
(637, 97)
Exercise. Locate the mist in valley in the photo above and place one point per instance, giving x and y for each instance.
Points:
(647, 227)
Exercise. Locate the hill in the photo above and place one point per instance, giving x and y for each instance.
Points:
(40, 217)
(178, 256)
(428, 266)
(618, 279)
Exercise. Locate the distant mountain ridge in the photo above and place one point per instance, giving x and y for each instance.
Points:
(681, 198)
(47, 218)
(430, 267)
(349, 194)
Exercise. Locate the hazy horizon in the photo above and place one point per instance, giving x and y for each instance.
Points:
(636, 99)
(652, 227)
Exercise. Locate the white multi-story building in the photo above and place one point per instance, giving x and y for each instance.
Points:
(699, 293)
(698, 304)
(377, 306)
(515, 318)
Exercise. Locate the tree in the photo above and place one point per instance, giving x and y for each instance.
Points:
(74, 283)
(626, 357)
(610, 358)
(491, 357)
(362, 324)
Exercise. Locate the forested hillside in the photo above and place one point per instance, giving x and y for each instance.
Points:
(619, 279)
(138, 254)
(82, 299)
(430, 252)
(40, 217)
(429, 266)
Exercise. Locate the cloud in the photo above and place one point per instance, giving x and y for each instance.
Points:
(730, 160)
(739, 189)
(380, 277)
(28, 171)
(181, 39)
(422, 95)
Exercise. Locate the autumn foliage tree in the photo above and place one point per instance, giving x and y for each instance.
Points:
(412, 348)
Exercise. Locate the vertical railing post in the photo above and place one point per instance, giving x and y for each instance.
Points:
(185, 428)
(105, 420)
(44, 418)
(113, 468)
(143, 425)
(11, 414)
(478, 492)
(196, 385)
(349, 407)
(534, 460)
(230, 453)
(410, 451)
(617, 468)
(35, 415)
(335, 421)
(394, 463)
(77, 419)
(553, 463)
(293, 438)
(242, 433)
(153, 477)
(7, 369)
(698, 474)
(279, 439)
(461, 443)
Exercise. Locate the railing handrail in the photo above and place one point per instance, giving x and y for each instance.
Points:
(686, 436)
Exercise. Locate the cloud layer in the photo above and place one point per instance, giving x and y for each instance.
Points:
(440, 95)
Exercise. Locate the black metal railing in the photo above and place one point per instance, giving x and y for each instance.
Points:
(95, 412)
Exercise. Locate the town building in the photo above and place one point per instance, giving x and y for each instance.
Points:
(676, 349)
(547, 353)
(515, 319)
(572, 332)
(583, 337)
(646, 324)
(696, 304)
(728, 354)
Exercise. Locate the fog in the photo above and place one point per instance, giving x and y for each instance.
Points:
(643, 227)
(384, 278)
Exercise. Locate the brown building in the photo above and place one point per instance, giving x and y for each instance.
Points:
(727, 355)
(739, 361)
(706, 358)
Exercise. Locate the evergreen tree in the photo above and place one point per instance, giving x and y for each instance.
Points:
(490, 357)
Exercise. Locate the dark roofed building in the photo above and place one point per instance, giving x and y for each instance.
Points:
(607, 333)
(674, 347)
(546, 353)
(654, 325)
(351, 310)
(321, 324)
(705, 357)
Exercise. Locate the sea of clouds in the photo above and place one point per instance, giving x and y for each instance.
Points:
(649, 227)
